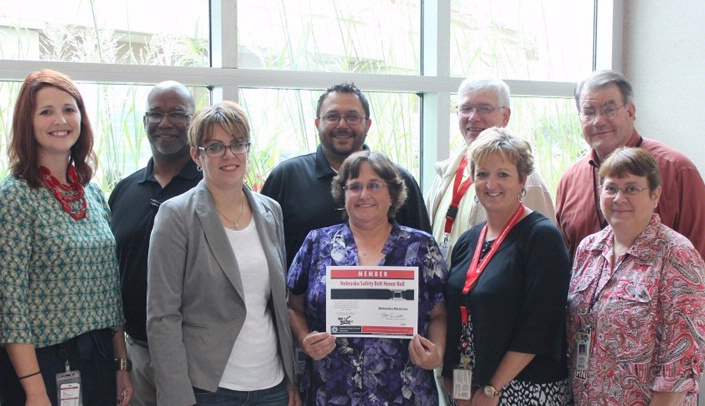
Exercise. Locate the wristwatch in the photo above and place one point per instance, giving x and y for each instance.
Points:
(491, 392)
(383, 294)
(123, 364)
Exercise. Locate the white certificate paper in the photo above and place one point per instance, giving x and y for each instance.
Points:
(372, 301)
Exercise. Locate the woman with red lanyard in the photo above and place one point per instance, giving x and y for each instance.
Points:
(507, 289)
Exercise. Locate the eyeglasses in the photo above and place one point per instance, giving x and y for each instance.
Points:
(218, 150)
(372, 187)
(350, 118)
(176, 117)
(609, 112)
(483, 109)
(611, 190)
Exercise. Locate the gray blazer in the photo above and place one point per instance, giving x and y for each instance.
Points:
(195, 297)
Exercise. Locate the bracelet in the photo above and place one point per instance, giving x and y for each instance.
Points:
(123, 364)
(28, 376)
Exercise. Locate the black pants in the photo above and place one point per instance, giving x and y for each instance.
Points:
(91, 353)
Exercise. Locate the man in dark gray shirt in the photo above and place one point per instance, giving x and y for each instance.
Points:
(301, 185)
(134, 203)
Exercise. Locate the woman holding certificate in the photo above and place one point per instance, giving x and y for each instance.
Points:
(359, 371)
(507, 288)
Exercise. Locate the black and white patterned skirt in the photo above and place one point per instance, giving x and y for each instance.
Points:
(519, 393)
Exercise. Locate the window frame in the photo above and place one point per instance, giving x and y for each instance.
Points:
(434, 85)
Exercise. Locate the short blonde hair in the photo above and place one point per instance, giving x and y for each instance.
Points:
(227, 114)
(498, 140)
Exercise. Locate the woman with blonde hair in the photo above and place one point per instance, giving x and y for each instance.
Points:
(507, 289)
(217, 320)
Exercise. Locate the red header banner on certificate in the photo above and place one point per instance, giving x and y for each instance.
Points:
(372, 301)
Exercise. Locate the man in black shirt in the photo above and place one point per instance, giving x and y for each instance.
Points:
(134, 203)
(301, 185)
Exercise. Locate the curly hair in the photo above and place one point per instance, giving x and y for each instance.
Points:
(382, 166)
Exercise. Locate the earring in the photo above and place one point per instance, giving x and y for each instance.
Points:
(199, 168)
(476, 199)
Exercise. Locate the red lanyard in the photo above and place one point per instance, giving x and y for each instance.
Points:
(459, 190)
(476, 266)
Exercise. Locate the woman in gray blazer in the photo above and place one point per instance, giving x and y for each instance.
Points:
(217, 319)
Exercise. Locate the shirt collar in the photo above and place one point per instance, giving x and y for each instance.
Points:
(642, 244)
(323, 168)
(189, 171)
(396, 234)
(634, 141)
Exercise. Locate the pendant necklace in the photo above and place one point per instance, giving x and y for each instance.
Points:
(236, 223)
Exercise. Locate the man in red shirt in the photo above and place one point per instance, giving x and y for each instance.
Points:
(607, 112)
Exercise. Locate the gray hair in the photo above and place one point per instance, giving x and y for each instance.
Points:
(478, 84)
(604, 78)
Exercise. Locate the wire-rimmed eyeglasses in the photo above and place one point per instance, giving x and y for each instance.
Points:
(612, 190)
(372, 186)
(483, 109)
(609, 111)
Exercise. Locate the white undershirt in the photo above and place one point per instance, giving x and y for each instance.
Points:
(254, 362)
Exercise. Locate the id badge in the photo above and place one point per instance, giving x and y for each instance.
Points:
(299, 361)
(582, 352)
(445, 247)
(68, 387)
(462, 384)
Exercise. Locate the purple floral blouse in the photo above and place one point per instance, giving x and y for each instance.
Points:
(366, 371)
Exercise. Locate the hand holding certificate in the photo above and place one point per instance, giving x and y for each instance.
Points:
(424, 353)
(317, 345)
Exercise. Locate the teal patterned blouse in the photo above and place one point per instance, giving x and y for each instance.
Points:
(58, 276)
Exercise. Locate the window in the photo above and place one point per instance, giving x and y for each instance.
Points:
(155, 32)
(116, 113)
(279, 55)
(552, 127)
(364, 36)
(283, 127)
(522, 39)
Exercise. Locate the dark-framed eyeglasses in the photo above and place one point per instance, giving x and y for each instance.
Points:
(483, 109)
(350, 118)
(612, 190)
(176, 117)
(372, 186)
(609, 111)
(218, 150)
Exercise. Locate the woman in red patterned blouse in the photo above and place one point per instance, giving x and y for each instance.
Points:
(636, 321)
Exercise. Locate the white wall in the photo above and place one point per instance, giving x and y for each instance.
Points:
(664, 58)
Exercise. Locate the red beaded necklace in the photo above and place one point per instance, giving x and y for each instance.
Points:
(66, 194)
